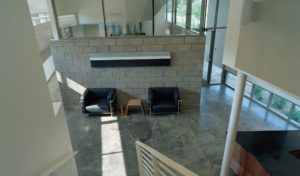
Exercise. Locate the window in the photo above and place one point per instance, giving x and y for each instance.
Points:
(272, 102)
(230, 80)
(261, 95)
(281, 105)
(196, 14)
(296, 115)
(169, 11)
(248, 89)
(181, 12)
(39, 18)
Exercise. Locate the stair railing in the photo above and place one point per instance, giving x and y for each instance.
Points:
(153, 163)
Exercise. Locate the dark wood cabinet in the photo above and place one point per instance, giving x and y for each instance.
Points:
(244, 163)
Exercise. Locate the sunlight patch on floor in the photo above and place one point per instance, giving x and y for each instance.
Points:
(113, 162)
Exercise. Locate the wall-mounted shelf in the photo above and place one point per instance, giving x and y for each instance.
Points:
(130, 59)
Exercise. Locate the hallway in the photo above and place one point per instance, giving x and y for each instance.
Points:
(193, 139)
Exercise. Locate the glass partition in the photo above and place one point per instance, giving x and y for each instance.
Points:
(261, 95)
(108, 18)
(281, 105)
(181, 6)
(196, 15)
(296, 115)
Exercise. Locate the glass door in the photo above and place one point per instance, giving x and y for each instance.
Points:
(215, 31)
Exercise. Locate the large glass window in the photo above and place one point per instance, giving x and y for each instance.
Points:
(231, 80)
(181, 12)
(196, 15)
(272, 102)
(39, 18)
(296, 115)
(169, 11)
(281, 105)
(261, 95)
(248, 89)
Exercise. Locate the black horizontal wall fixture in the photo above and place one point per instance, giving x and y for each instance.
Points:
(130, 59)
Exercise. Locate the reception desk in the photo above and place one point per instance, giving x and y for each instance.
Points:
(267, 153)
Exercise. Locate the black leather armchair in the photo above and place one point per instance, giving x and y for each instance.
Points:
(164, 100)
(98, 101)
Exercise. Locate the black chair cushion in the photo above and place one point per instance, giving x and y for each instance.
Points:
(164, 106)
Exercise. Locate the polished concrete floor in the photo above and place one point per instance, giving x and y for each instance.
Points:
(196, 140)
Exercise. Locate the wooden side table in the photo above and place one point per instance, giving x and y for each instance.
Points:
(135, 103)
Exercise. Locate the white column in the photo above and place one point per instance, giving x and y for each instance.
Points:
(233, 123)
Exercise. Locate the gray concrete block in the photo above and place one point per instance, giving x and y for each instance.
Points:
(108, 41)
(74, 49)
(131, 73)
(116, 48)
(129, 48)
(185, 47)
(94, 42)
(136, 41)
(90, 49)
(177, 40)
(171, 47)
(163, 40)
(184, 72)
(150, 40)
(63, 50)
(191, 39)
(68, 43)
(143, 48)
(70, 56)
(144, 85)
(122, 41)
(156, 47)
(82, 42)
(103, 49)
(54, 43)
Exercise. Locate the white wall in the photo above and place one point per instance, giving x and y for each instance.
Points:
(233, 31)
(263, 41)
(269, 46)
(43, 35)
(32, 138)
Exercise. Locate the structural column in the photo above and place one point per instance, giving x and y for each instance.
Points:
(233, 123)
(53, 19)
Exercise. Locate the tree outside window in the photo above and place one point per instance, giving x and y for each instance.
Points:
(196, 14)
(181, 12)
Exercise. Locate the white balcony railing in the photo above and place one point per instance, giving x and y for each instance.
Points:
(153, 163)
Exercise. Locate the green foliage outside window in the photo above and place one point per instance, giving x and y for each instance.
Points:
(196, 14)
(181, 8)
(196, 8)
(258, 93)
(278, 102)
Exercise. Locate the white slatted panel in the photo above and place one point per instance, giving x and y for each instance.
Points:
(153, 163)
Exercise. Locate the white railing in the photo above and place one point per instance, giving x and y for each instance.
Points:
(153, 163)
(58, 164)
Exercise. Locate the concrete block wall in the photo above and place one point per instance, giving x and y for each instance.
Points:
(71, 58)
